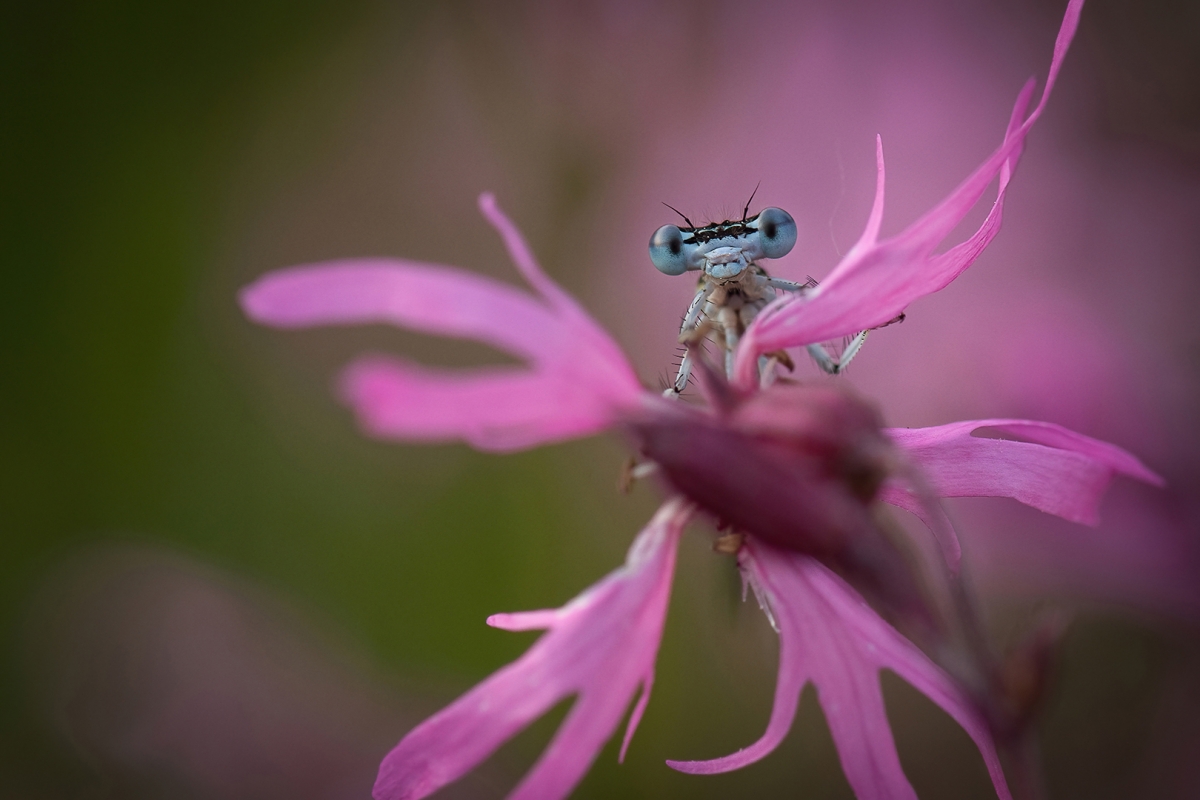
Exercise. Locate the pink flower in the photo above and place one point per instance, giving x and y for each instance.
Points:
(618, 622)
(575, 381)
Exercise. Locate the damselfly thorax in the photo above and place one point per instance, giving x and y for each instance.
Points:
(733, 286)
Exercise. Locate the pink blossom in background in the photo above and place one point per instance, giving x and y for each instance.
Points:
(575, 381)
(176, 679)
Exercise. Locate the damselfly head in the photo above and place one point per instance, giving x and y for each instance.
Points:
(723, 250)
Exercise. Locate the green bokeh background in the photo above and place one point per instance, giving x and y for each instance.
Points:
(140, 143)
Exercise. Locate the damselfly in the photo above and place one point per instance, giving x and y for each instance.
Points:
(733, 286)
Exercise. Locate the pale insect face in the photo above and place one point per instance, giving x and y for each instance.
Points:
(733, 285)
(723, 250)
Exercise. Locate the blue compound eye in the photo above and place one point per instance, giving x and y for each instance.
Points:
(776, 232)
(667, 252)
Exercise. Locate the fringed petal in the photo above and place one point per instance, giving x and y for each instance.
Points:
(829, 635)
(1054, 469)
(600, 646)
(574, 381)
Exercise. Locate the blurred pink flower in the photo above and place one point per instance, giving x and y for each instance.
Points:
(575, 381)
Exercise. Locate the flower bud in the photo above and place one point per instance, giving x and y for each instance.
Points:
(797, 466)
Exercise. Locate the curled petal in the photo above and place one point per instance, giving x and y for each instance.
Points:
(930, 512)
(522, 256)
(596, 349)
(830, 636)
(1053, 469)
(601, 646)
(574, 380)
(876, 281)
(870, 233)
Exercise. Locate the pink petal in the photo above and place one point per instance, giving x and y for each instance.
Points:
(597, 341)
(575, 380)
(876, 281)
(1054, 470)
(524, 620)
(496, 409)
(521, 254)
(430, 298)
(870, 233)
(934, 517)
(601, 646)
(829, 635)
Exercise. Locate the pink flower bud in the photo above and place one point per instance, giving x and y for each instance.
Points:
(795, 465)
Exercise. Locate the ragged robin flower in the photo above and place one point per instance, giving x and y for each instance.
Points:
(810, 470)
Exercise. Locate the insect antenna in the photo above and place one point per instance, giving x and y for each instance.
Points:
(746, 210)
(680, 213)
